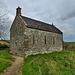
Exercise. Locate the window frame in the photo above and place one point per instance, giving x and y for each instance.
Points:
(33, 39)
(45, 39)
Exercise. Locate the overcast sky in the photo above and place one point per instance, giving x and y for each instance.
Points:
(59, 12)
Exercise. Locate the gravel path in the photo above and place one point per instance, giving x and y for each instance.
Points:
(16, 67)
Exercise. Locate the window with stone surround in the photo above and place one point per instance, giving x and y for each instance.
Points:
(45, 39)
(33, 39)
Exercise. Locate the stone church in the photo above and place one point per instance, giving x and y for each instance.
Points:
(29, 36)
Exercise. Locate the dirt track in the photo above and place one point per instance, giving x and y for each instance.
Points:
(16, 67)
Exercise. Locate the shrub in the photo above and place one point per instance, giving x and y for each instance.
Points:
(4, 46)
(0, 45)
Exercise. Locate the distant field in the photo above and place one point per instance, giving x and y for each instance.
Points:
(5, 60)
(69, 45)
(57, 63)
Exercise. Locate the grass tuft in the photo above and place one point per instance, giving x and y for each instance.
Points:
(57, 63)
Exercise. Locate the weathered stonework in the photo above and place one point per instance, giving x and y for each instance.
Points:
(39, 38)
(25, 41)
(17, 38)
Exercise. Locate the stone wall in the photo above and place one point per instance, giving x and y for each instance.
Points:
(43, 41)
(26, 41)
(17, 30)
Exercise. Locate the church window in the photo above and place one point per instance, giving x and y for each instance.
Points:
(33, 39)
(45, 39)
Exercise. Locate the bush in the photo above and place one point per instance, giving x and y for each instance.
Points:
(0, 45)
(4, 46)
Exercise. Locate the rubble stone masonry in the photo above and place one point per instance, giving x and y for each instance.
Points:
(25, 41)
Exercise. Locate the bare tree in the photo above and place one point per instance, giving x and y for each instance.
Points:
(4, 21)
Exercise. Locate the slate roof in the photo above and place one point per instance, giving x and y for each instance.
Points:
(31, 23)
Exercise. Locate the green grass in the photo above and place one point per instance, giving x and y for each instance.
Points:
(5, 60)
(57, 63)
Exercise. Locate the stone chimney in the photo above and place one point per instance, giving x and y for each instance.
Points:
(18, 11)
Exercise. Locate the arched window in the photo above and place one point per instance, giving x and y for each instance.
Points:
(33, 39)
(45, 39)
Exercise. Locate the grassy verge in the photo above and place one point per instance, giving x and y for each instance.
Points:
(57, 63)
(5, 60)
